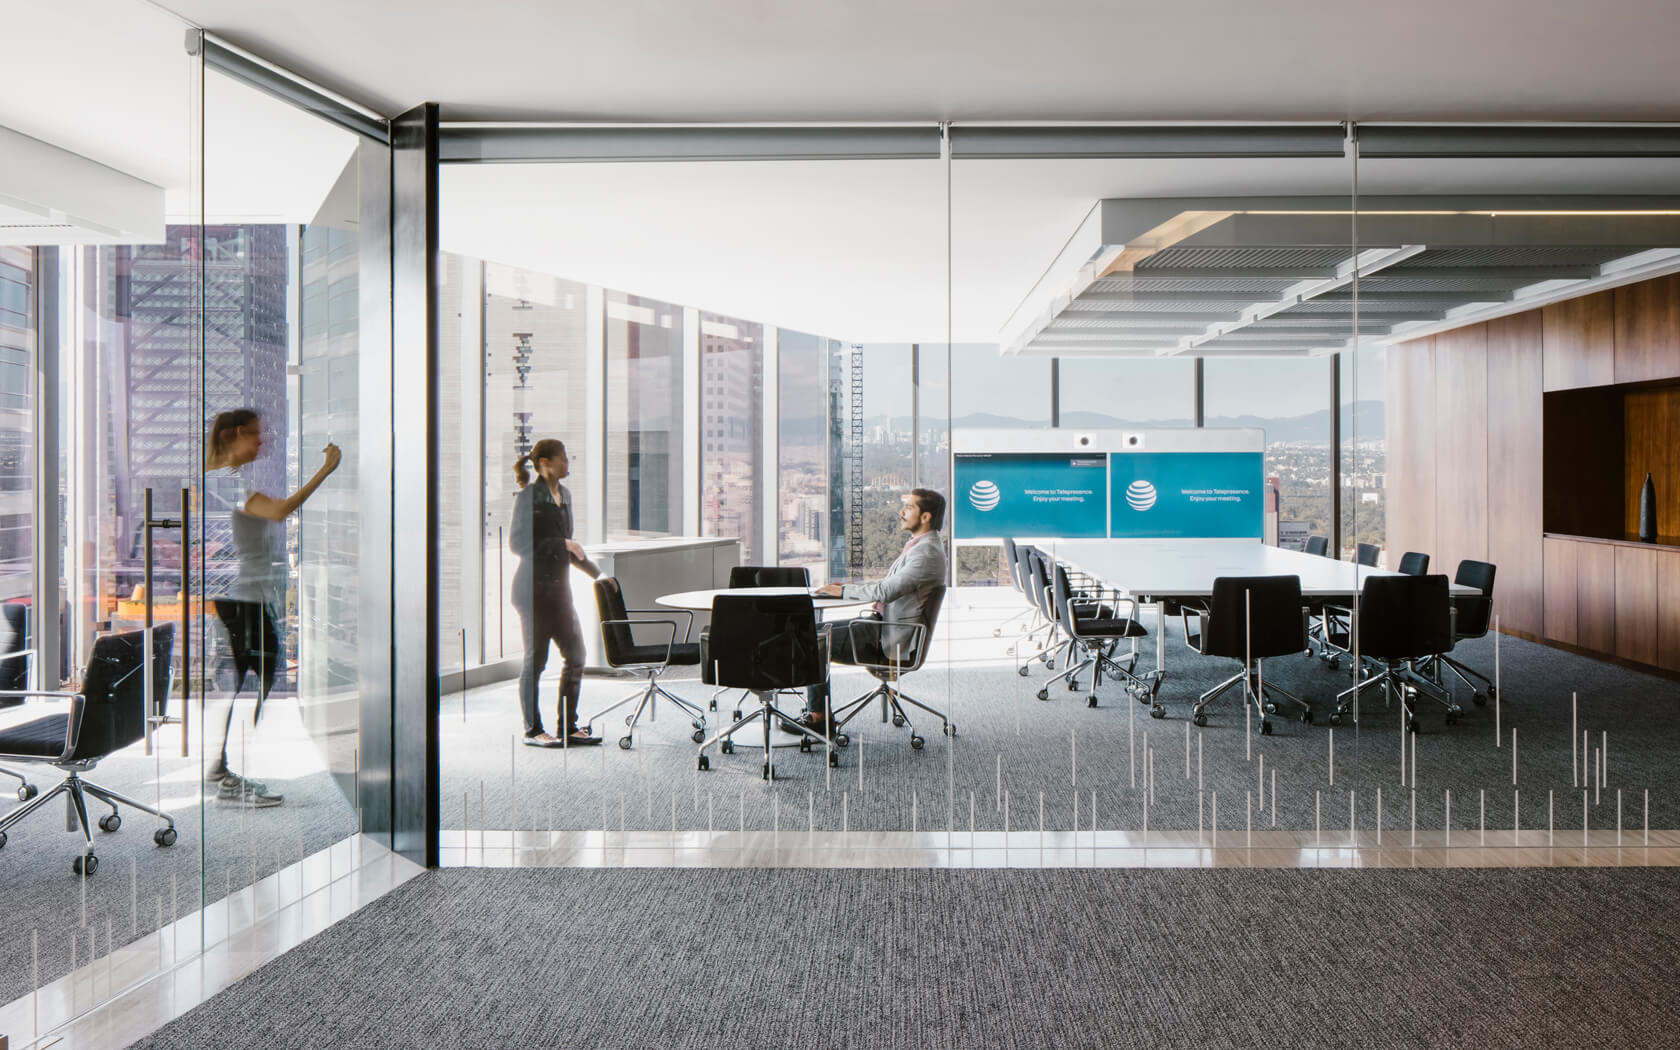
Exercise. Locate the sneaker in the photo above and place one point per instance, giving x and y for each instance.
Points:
(216, 773)
(236, 788)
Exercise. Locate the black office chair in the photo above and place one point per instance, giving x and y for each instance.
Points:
(1474, 615)
(1401, 620)
(14, 677)
(764, 643)
(888, 663)
(1035, 583)
(1366, 554)
(619, 644)
(1250, 619)
(1017, 580)
(1319, 545)
(1096, 627)
(1412, 563)
(106, 715)
(762, 576)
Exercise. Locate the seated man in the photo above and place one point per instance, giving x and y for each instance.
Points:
(901, 597)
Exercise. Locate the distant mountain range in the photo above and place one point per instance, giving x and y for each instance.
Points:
(1368, 417)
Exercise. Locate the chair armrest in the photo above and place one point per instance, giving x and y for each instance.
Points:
(17, 652)
(78, 704)
(918, 635)
(689, 630)
(670, 643)
(1184, 611)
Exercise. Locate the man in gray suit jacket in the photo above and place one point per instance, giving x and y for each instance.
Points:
(901, 597)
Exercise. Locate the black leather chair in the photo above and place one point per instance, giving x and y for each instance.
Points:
(1250, 619)
(1035, 584)
(1366, 554)
(1017, 580)
(618, 642)
(1319, 545)
(106, 715)
(741, 576)
(1413, 563)
(1097, 626)
(14, 677)
(888, 668)
(1474, 615)
(764, 643)
(1401, 620)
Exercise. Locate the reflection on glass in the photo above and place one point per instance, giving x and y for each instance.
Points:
(1127, 392)
(802, 451)
(1288, 398)
(644, 417)
(732, 431)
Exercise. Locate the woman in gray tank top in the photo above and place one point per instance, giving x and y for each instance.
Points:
(252, 604)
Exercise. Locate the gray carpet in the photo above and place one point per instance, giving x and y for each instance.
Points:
(1043, 747)
(220, 845)
(1027, 959)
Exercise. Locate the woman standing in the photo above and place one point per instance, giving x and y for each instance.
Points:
(253, 603)
(542, 590)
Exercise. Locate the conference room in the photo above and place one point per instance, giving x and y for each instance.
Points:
(1304, 490)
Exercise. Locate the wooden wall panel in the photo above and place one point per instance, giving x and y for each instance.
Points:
(1651, 425)
(1562, 612)
(1668, 610)
(1648, 330)
(1595, 596)
(1410, 438)
(1461, 438)
(1514, 470)
(1578, 341)
(1636, 603)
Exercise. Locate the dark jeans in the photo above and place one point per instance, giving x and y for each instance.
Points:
(841, 650)
(551, 618)
(255, 647)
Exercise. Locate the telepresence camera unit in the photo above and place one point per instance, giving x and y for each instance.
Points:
(1134, 440)
(1084, 440)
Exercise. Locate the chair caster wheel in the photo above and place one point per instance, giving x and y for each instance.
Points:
(727, 748)
(27, 792)
(949, 729)
(1335, 718)
(1199, 718)
(1493, 692)
(768, 773)
(712, 706)
(85, 865)
(110, 822)
(842, 740)
(1091, 701)
(1411, 725)
(1306, 717)
(735, 715)
(697, 736)
(1480, 699)
(1265, 727)
(916, 742)
(704, 764)
(2, 840)
(834, 760)
(164, 837)
(1073, 685)
(898, 721)
(1044, 694)
(1159, 711)
(1270, 708)
(805, 745)
(1022, 671)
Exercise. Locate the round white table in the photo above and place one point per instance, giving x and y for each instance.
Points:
(701, 601)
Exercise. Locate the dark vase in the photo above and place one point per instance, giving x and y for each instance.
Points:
(1648, 511)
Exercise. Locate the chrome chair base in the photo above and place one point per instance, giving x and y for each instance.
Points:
(1399, 682)
(644, 699)
(767, 714)
(77, 790)
(892, 706)
(1263, 695)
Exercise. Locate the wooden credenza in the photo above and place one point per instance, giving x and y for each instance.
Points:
(1614, 596)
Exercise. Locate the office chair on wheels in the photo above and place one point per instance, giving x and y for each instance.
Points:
(622, 652)
(1096, 628)
(1401, 621)
(761, 576)
(1250, 618)
(1017, 580)
(764, 643)
(14, 679)
(107, 714)
(1474, 615)
(888, 650)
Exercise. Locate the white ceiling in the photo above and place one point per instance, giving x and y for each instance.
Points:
(850, 249)
(730, 60)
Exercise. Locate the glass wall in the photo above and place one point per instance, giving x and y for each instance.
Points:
(732, 432)
(17, 430)
(802, 451)
(1288, 398)
(1127, 392)
(644, 416)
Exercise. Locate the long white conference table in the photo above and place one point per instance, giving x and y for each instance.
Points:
(1155, 572)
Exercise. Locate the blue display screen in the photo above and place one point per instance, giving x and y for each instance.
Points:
(1041, 494)
(1212, 495)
